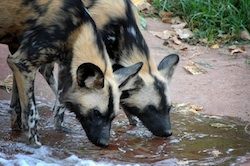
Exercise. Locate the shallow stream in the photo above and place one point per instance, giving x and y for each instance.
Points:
(196, 140)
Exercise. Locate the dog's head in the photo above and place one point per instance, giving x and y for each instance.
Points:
(95, 99)
(150, 100)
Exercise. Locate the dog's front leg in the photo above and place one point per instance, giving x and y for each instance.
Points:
(16, 123)
(24, 74)
(47, 71)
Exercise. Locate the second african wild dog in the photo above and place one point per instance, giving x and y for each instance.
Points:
(150, 101)
(40, 32)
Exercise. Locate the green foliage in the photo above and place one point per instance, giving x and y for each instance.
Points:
(214, 20)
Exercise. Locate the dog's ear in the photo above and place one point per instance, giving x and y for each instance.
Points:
(127, 76)
(90, 76)
(167, 65)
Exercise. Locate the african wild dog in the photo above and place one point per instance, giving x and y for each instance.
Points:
(118, 24)
(41, 32)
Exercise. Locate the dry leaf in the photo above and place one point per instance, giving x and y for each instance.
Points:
(203, 41)
(196, 108)
(238, 50)
(184, 33)
(142, 6)
(175, 40)
(145, 7)
(194, 69)
(243, 48)
(245, 35)
(185, 108)
(233, 49)
(163, 35)
(166, 16)
(215, 46)
(176, 20)
(215, 153)
(7, 83)
(167, 34)
(156, 33)
(179, 26)
(166, 20)
(184, 49)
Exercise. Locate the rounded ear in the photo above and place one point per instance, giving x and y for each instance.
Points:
(168, 64)
(90, 76)
(124, 74)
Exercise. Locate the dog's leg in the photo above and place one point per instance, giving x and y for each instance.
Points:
(15, 108)
(47, 71)
(133, 120)
(24, 74)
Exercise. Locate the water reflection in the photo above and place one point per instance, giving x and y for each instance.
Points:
(197, 139)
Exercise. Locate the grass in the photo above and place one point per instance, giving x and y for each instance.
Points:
(218, 21)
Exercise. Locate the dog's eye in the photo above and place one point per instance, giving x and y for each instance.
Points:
(97, 113)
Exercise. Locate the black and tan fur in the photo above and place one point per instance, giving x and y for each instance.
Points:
(41, 32)
(150, 101)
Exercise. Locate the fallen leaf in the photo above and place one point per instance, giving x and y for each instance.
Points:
(163, 35)
(184, 49)
(243, 48)
(145, 7)
(185, 108)
(215, 153)
(196, 108)
(237, 50)
(193, 68)
(179, 26)
(234, 49)
(166, 20)
(184, 33)
(245, 35)
(215, 46)
(7, 83)
(203, 41)
(176, 40)
(157, 34)
(166, 16)
(167, 34)
(176, 20)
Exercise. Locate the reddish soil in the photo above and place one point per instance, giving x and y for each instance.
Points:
(225, 87)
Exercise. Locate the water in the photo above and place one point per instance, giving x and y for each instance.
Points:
(196, 140)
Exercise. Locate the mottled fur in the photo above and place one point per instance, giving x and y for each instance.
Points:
(42, 32)
(150, 101)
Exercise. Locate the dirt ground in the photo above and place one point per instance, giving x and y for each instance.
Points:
(223, 90)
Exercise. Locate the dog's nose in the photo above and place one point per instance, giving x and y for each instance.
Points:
(102, 143)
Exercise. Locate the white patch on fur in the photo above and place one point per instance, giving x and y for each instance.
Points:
(132, 31)
(111, 38)
(147, 95)
(35, 116)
